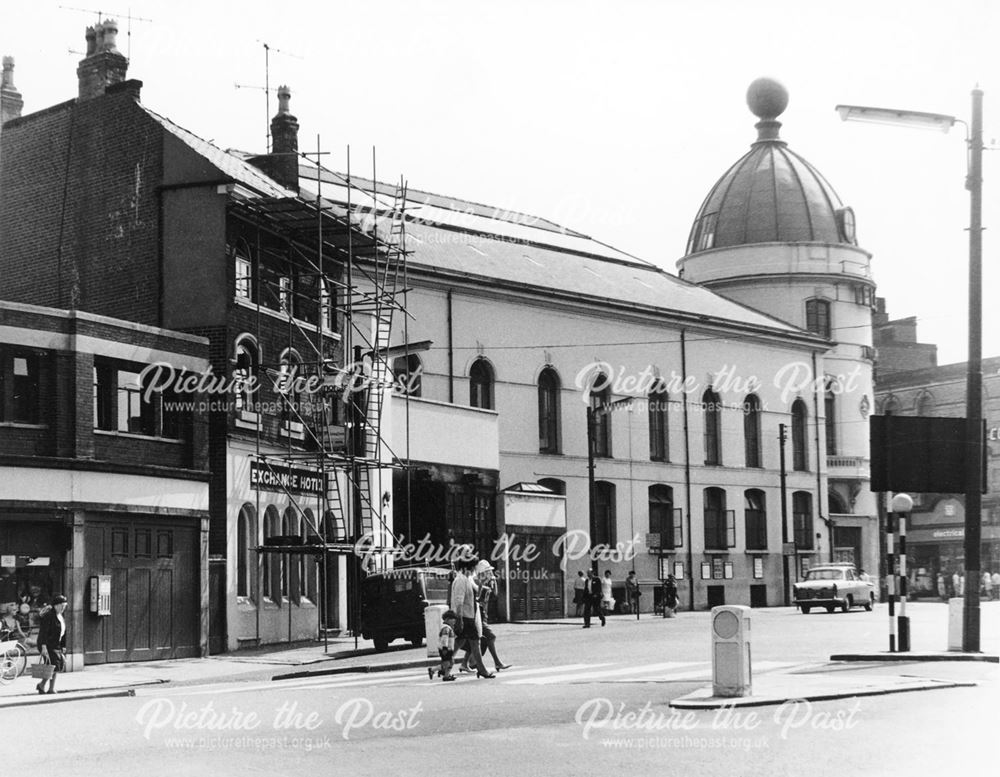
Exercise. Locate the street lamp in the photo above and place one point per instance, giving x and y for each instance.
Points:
(974, 372)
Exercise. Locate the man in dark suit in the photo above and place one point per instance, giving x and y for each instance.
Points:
(593, 601)
(52, 640)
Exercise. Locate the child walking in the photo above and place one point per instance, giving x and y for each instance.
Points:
(446, 646)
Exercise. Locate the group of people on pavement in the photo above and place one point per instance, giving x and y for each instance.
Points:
(466, 624)
(954, 585)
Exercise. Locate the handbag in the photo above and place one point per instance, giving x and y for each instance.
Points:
(42, 670)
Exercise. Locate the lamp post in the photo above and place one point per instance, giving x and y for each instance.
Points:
(974, 372)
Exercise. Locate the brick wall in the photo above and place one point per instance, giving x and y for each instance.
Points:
(79, 215)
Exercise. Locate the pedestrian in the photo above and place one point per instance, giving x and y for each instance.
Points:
(607, 597)
(463, 602)
(942, 587)
(579, 592)
(961, 585)
(593, 601)
(956, 584)
(10, 626)
(987, 585)
(995, 579)
(670, 598)
(632, 592)
(487, 582)
(446, 646)
(52, 641)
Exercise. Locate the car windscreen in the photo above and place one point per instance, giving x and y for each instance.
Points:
(825, 574)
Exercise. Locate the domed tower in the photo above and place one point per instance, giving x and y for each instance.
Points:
(772, 234)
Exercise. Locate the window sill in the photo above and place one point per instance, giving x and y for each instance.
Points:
(134, 436)
(306, 325)
(756, 551)
(718, 551)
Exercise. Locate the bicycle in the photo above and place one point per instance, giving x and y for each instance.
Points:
(13, 660)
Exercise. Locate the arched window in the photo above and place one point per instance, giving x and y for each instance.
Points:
(661, 515)
(818, 316)
(246, 373)
(407, 372)
(800, 457)
(288, 382)
(802, 519)
(720, 530)
(892, 406)
(548, 411)
(751, 430)
(481, 385)
(246, 540)
(756, 519)
(925, 405)
(712, 410)
(554, 485)
(602, 532)
(830, 409)
(659, 448)
(289, 581)
(335, 526)
(601, 417)
(271, 571)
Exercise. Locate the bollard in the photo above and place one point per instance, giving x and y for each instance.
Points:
(731, 651)
(956, 609)
(432, 627)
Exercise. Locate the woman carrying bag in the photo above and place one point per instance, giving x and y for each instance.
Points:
(52, 641)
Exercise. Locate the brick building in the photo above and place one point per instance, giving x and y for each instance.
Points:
(98, 480)
(108, 208)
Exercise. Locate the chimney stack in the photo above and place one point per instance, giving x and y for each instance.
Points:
(10, 99)
(104, 64)
(282, 164)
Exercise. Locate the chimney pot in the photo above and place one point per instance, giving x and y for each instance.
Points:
(104, 65)
(91, 41)
(110, 35)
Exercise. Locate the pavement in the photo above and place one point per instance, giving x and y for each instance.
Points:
(339, 655)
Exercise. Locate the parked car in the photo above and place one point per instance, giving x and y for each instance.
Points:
(832, 586)
(393, 602)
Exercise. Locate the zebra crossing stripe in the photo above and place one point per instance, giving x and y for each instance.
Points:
(600, 674)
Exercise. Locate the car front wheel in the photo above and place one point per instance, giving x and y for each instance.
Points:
(845, 605)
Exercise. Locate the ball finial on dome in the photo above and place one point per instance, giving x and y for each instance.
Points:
(767, 98)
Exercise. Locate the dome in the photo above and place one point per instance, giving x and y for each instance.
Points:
(771, 194)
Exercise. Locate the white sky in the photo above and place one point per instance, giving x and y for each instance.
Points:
(613, 118)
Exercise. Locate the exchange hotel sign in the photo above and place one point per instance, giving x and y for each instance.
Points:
(276, 477)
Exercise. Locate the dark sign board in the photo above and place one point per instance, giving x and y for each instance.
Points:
(920, 455)
(277, 477)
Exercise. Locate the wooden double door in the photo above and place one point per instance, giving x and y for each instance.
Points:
(536, 585)
(155, 590)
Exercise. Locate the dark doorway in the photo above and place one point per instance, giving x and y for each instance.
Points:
(536, 586)
(716, 596)
(758, 596)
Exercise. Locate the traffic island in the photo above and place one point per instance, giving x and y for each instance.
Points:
(909, 656)
(778, 689)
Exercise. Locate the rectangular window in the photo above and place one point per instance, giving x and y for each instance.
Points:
(19, 388)
(818, 316)
(758, 568)
(285, 302)
(120, 404)
(135, 414)
(244, 278)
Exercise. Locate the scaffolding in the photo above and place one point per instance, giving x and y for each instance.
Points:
(346, 258)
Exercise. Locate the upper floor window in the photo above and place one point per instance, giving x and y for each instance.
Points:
(703, 233)
(818, 316)
(327, 308)
(756, 519)
(407, 372)
(751, 430)
(19, 389)
(800, 456)
(554, 485)
(659, 450)
(600, 418)
(802, 521)
(245, 375)
(830, 409)
(244, 271)
(122, 404)
(720, 526)
(925, 405)
(602, 531)
(711, 406)
(481, 385)
(548, 411)
(662, 518)
(286, 295)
